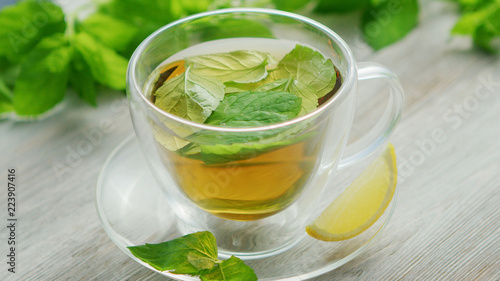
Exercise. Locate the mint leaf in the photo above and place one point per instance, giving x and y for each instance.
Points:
(114, 33)
(480, 20)
(107, 67)
(190, 95)
(253, 109)
(24, 24)
(469, 22)
(185, 8)
(389, 21)
(145, 13)
(192, 254)
(5, 98)
(81, 79)
(290, 5)
(340, 6)
(225, 153)
(9, 72)
(43, 78)
(308, 75)
(239, 66)
(232, 269)
(483, 36)
(232, 27)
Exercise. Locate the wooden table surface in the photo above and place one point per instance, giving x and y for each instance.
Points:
(446, 225)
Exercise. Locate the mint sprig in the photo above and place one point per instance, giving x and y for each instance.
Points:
(480, 20)
(194, 254)
(272, 92)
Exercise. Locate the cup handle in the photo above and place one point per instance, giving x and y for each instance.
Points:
(379, 134)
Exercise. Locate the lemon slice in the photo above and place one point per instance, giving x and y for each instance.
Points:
(361, 204)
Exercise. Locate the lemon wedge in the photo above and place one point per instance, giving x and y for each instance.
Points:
(361, 204)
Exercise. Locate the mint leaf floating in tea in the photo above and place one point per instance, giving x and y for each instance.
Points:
(194, 254)
(237, 66)
(253, 109)
(303, 72)
(311, 75)
(190, 95)
(232, 269)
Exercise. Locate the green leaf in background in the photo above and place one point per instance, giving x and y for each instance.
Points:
(81, 79)
(238, 66)
(192, 254)
(389, 21)
(469, 22)
(140, 13)
(147, 15)
(290, 5)
(480, 20)
(340, 6)
(232, 269)
(107, 67)
(43, 78)
(483, 36)
(24, 24)
(9, 72)
(253, 109)
(117, 34)
(190, 96)
(5, 98)
(236, 27)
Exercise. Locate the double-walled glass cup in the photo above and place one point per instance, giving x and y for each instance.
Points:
(254, 188)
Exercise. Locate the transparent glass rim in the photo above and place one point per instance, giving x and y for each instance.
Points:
(347, 83)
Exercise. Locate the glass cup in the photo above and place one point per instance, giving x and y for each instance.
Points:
(254, 188)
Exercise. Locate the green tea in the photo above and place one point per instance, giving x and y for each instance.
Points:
(251, 175)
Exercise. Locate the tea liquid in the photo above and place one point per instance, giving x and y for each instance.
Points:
(247, 189)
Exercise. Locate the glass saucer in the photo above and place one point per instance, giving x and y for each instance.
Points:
(133, 211)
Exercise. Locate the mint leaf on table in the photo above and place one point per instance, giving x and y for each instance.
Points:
(117, 35)
(253, 109)
(399, 18)
(43, 78)
(238, 66)
(192, 254)
(20, 32)
(107, 67)
(232, 269)
(190, 95)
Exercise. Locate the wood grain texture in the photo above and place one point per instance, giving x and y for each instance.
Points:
(446, 225)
